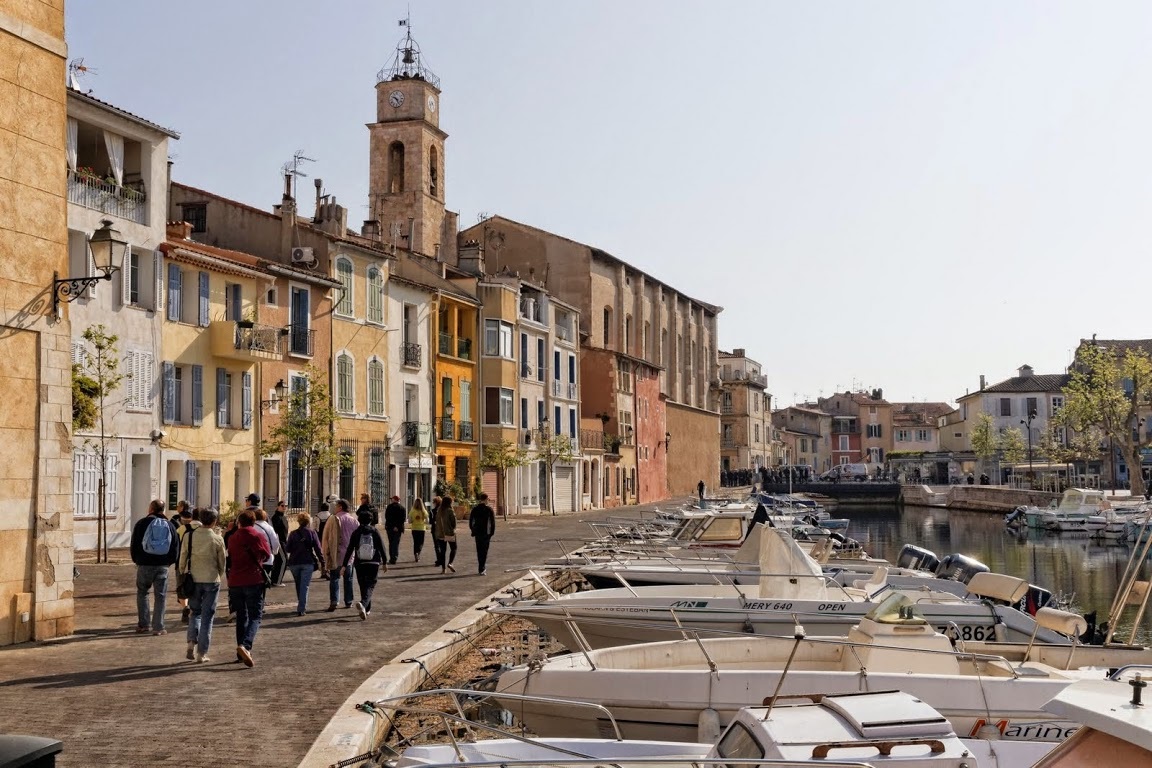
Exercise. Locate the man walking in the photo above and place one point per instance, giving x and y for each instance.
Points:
(279, 521)
(366, 550)
(337, 535)
(154, 548)
(185, 521)
(394, 518)
(700, 491)
(482, 524)
(247, 550)
(202, 555)
(366, 505)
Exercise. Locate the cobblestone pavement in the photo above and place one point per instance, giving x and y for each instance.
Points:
(116, 698)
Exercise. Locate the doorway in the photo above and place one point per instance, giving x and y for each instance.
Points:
(269, 483)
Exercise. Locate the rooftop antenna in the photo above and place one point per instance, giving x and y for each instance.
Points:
(292, 167)
(77, 70)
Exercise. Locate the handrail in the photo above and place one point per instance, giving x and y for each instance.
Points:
(1118, 674)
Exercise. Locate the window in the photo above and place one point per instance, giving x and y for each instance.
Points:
(138, 387)
(607, 324)
(223, 398)
(446, 393)
(540, 358)
(556, 425)
(464, 412)
(524, 412)
(1030, 403)
(182, 393)
(624, 375)
(803, 445)
(628, 333)
(525, 363)
(409, 323)
(299, 319)
(572, 423)
(539, 414)
(1005, 406)
(86, 484)
(498, 339)
(433, 176)
(498, 408)
(375, 387)
(233, 302)
(756, 404)
(345, 401)
(375, 295)
(571, 369)
(1057, 404)
(902, 436)
(556, 367)
(921, 435)
(844, 444)
(133, 267)
(344, 276)
(875, 430)
(396, 169)
(347, 478)
(756, 432)
(196, 214)
(271, 297)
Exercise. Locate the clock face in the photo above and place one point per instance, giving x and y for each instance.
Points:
(396, 98)
(431, 103)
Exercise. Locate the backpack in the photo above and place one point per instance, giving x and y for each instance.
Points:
(158, 537)
(366, 549)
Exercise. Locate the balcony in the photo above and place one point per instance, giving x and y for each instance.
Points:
(416, 434)
(592, 438)
(461, 348)
(564, 333)
(727, 409)
(727, 442)
(301, 340)
(445, 429)
(410, 356)
(466, 432)
(464, 348)
(573, 394)
(556, 388)
(250, 344)
(446, 344)
(126, 202)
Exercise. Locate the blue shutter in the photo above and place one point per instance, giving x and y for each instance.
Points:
(203, 315)
(190, 478)
(168, 391)
(246, 401)
(221, 399)
(197, 394)
(174, 285)
(215, 485)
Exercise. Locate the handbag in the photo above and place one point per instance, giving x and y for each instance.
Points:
(450, 537)
(187, 586)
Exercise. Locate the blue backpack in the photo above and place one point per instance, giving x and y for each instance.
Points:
(158, 537)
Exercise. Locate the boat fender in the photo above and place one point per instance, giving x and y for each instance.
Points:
(1061, 621)
(708, 730)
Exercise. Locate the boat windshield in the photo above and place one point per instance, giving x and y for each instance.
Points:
(739, 742)
(894, 608)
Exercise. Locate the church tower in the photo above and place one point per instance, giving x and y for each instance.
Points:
(406, 154)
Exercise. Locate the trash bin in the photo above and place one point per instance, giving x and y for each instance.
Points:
(28, 751)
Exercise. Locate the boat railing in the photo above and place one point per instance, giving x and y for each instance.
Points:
(1119, 673)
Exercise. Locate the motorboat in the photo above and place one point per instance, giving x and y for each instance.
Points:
(670, 690)
(792, 589)
(1116, 725)
(1075, 507)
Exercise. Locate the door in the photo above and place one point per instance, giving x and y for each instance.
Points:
(565, 489)
(270, 483)
(141, 492)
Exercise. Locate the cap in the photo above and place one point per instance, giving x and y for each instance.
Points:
(395, 498)
(253, 498)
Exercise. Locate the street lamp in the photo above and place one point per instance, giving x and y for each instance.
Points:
(1028, 423)
(280, 391)
(449, 410)
(108, 249)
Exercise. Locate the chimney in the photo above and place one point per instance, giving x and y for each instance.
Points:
(471, 257)
(370, 229)
(287, 219)
(179, 230)
(319, 184)
(738, 352)
(981, 382)
(1025, 371)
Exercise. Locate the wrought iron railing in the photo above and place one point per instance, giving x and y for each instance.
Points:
(446, 429)
(466, 434)
(727, 442)
(411, 430)
(445, 343)
(127, 202)
(301, 340)
(555, 388)
(259, 338)
(410, 354)
(572, 394)
(592, 438)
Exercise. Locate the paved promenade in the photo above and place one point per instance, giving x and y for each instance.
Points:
(116, 698)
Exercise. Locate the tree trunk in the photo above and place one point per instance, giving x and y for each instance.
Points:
(101, 523)
(1136, 471)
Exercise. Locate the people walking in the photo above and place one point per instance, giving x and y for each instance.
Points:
(366, 505)
(394, 516)
(366, 550)
(279, 521)
(304, 556)
(482, 524)
(335, 545)
(700, 491)
(444, 534)
(418, 524)
(273, 544)
(248, 550)
(186, 521)
(322, 516)
(202, 556)
(154, 547)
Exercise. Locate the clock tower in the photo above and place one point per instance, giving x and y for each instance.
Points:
(406, 154)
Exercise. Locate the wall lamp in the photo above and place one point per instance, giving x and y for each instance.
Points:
(667, 440)
(108, 251)
(279, 392)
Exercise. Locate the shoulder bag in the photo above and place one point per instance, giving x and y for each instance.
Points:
(187, 586)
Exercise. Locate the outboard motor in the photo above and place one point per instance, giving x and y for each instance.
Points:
(959, 568)
(1034, 600)
(1016, 517)
(917, 558)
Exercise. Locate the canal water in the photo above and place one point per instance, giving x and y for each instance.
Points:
(1085, 570)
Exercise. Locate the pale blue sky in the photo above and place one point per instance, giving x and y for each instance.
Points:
(901, 195)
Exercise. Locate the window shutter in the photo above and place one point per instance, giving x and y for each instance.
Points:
(158, 279)
(126, 279)
(879, 430)
(197, 395)
(221, 398)
(491, 405)
(190, 482)
(175, 278)
(246, 400)
(203, 305)
(216, 484)
(168, 392)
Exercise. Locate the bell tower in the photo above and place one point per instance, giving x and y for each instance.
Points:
(406, 153)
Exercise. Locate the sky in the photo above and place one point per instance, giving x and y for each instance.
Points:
(896, 195)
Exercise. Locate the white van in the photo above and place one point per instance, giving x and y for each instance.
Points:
(847, 472)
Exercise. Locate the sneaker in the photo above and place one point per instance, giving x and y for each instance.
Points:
(484, 572)
(245, 656)
(360, 610)
(160, 632)
(331, 607)
(451, 568)
(141, 630)
(202, 659)
(191, 655)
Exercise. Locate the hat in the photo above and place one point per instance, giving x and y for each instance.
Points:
(395, 498)
(253, 498)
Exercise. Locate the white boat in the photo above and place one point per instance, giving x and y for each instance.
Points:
(1117, 726)
(669, 690)
(792, 588)
(1075, 506)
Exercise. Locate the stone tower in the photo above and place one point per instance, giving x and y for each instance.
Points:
(406, 154)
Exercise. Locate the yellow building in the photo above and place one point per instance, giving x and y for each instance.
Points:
(207, 370)
(455, 396)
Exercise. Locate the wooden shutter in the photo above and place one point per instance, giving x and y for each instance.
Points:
(190, 478)
(215, 493)
(491, 405)
(197, 395)
(203, 300)
(221, 398)
(168, 392)
(175, 280)
(246, 400)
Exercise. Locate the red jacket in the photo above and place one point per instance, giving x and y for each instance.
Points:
(247, 551)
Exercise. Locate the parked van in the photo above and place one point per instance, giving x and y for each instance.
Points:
(847, 472)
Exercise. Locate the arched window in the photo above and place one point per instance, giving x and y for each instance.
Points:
(396, 167)
(646, 341)
(375, 387)
(628, 333)
(344, 276)
(433, 172)
(375, 295)
(607, 325)
(345, 401)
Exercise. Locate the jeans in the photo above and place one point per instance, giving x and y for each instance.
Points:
(249, 602)
(366, 575)
(279, 568)
(444, 548)
(394, 546)
(302, 575)
(334, 586)
(482, 551)
(202, 604)
(151, 577)
(417, 543)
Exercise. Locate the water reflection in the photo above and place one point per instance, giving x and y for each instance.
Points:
(1069, 564)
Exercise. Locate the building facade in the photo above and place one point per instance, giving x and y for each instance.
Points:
(745, 414)
(806, 434)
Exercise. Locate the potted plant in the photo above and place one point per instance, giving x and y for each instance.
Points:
(248, 320)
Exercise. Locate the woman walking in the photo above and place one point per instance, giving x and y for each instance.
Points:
(417, 524)
(304, 557)
(248, 550)
(366, 548)
(201, 557)
(445, 534)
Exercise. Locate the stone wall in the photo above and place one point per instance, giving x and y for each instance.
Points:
(694, 454)
(979, 498)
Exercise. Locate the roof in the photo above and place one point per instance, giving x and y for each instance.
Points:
(413, 270)
(87, 97)
(914, 414)
(803, 409)
(601, 254)
(238, 262)
(1045, 382)
(1121, 346)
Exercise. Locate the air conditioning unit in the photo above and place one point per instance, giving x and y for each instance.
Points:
(304, 257)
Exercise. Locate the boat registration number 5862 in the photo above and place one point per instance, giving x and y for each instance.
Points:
(970, 631)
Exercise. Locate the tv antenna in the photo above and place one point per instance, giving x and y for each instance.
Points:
(292, 168)
(77, 70)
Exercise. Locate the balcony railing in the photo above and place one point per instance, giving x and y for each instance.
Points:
(592, 438)
(445, 429)
(466, 432)
(458, 348)
(126, 202)
(445, 343)
(727, 408)
(727, 442)
(564, 333)
(410, 355)
(259, 338)
(464, 348)
(572, 393)
(556, 385)
(415, 434)
(301, 340)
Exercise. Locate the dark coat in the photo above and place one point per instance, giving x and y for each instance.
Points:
(279, 523)
(394, 517)
(482, 521)
(370, 509)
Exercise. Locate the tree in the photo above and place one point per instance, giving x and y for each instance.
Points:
(306, 428)
(985, 441)
(94, 379)
(502, 457)
(553, 449)
(1106, 390)
(1012, 445)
